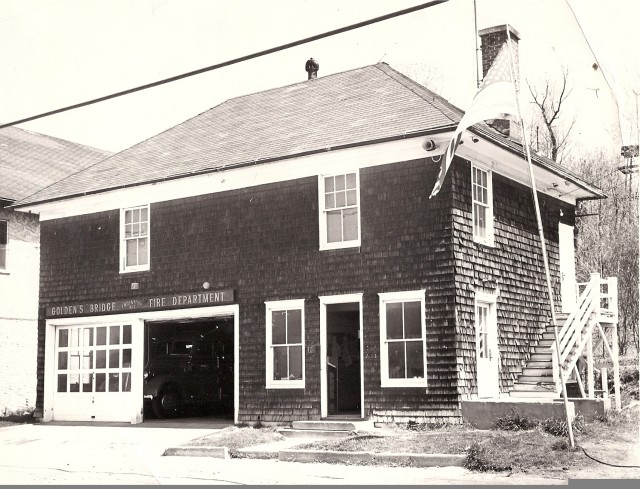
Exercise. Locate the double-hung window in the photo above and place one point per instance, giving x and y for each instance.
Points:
(339, 197)
(402, 339)
(482, 206)
(285, 344)
(4, 241)
(134, 238)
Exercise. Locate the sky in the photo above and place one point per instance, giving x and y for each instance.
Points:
(60, 52)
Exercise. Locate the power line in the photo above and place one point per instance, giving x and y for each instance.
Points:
(230, 62)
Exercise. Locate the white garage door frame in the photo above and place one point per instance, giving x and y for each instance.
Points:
(136, 320)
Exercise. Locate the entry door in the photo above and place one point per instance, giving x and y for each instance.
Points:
(487, 349)
(93, 373)
(567, 268)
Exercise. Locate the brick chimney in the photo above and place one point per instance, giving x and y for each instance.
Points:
(493, 38)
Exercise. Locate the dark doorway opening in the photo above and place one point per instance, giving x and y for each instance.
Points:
(188, 369)
(343, 359)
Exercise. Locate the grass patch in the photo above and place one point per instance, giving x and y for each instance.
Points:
(236, 437)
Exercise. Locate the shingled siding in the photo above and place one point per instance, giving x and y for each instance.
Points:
(263, 242)
(514, 266)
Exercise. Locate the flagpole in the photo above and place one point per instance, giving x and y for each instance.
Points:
(475, 25)
(542, 244)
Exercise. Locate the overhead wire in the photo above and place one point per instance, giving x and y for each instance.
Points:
(230, 62)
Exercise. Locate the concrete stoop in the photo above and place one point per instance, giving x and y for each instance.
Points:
(484, 413)
(318, 430)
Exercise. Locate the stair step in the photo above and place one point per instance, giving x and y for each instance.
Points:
(546, 371)
(537, 386)
(323, 425)
(541, 357)
(534, 379)
(533, 394)
(545, 342)
(549, 335)
(539, 364)
(316, 434)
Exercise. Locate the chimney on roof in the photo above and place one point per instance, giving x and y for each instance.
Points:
(312, 67)
(493, 38)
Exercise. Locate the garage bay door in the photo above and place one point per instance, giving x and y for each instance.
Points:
(93, 373)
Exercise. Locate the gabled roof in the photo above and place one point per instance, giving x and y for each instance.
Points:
(361, 106)
(30, 161)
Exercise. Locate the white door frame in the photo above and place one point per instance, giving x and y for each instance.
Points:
(137, 320)
(567, 257)
(324, 301)
(488, 386)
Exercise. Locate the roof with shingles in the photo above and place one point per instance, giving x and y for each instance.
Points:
(373, 103)
(30, 161)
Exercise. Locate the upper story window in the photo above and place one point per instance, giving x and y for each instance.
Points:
(402, 339)
(482, 206)
(339, 211)
(4, 241)
(285, 344)
(134, 239)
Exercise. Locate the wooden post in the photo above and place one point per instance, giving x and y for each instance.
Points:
(616, 365)
(605, 383)
(590, 379)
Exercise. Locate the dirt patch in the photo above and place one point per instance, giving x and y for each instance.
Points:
(235, 437)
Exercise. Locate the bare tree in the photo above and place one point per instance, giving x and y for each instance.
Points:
(550, 105)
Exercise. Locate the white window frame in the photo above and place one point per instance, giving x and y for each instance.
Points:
(5, 268)
(123, 241)
(272, 306)
(489, 238)
(324, 245)
(394, 297)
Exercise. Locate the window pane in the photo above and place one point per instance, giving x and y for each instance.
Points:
(278, 332)
(415, 360)
(412, 322)
(75, 337)
(101, 359)
(144, 229)
(127, 216)
(352, 197)
(350, 224)
(62, 360)
(396, 360)
(132, 252)
(279, 362)
(114, 335)
(126, 358)
(127, 231)
(63, 338)
(341, 199)
(101, 335)
(87, 336)
(3, 256)
(329, 201)
(143, 251)
(295, 363)
(135, 217)
(4, 233)
(334, 226)
(74, 383)
(294, 326)
(126, 382)
(394, 320)
(144, 214)
(62, 382)
(87, 360)
(101, 381)
(126, 334)
(351, 180)
(135, 230)
(114, 382)
(339, 182)
(480, 221)
(74, 361)
(86, 383)
(328, 184)
(114, 358)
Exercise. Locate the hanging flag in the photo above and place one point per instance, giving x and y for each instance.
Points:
(496, 99)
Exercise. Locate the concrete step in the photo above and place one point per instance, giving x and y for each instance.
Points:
(324, 425)
(314, 434)
(532, 394)
(536, 371)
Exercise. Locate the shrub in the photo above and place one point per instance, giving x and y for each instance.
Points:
(557, 427)
(514, 421)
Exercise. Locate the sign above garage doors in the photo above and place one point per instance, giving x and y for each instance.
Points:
(153, 303)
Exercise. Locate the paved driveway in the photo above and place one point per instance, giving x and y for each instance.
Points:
(124, 454)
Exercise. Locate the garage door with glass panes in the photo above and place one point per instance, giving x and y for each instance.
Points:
(93, 373)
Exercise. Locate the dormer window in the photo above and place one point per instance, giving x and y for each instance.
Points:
(134, 239)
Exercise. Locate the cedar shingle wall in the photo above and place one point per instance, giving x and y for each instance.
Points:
(263, 242)
(515, 265)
